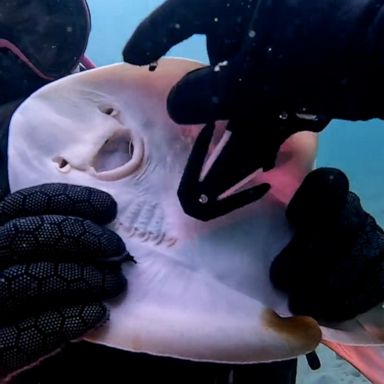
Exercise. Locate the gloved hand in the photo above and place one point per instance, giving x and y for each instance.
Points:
(333, 267)
(278, 58)
(277, 68)
(57, 264)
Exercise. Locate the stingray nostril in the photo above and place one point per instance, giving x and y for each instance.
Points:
(62, 164)
(108, 110)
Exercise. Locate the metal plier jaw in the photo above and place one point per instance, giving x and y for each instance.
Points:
(211, 185)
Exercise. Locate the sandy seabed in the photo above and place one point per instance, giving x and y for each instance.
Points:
(334, 370)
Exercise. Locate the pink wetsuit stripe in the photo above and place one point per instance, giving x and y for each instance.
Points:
(13, 48)
(88, 64)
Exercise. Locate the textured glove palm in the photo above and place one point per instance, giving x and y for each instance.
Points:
(57, 264)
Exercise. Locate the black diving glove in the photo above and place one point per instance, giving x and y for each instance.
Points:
(275, 58)
(276, 68)
(57, 264)
(333, 268)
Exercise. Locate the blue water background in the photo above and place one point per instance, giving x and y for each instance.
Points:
(355, 148)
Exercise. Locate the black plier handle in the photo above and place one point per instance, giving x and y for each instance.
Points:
(206, 193)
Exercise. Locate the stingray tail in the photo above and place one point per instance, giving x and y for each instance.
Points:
(369, 360)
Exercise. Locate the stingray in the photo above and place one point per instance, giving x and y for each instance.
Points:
(200, 290)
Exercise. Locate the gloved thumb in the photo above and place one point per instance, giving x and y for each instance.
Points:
(171, 23)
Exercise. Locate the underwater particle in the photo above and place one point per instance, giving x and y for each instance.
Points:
(218, 66)
(216, 19)
(215, 100)
(283, 115)
(251, 33)
(269, 49)
(306, 116)
(203, 199)
(177, 26)
(69, 29)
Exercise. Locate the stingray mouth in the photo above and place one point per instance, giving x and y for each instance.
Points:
(120, 156)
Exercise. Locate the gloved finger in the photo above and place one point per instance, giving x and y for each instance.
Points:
(171, 23)
(206, 94)
(59, 199)
(58, 238)
(319, 199)
(225, 23)
(30, 288)
(29, 340)
(231, 29)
